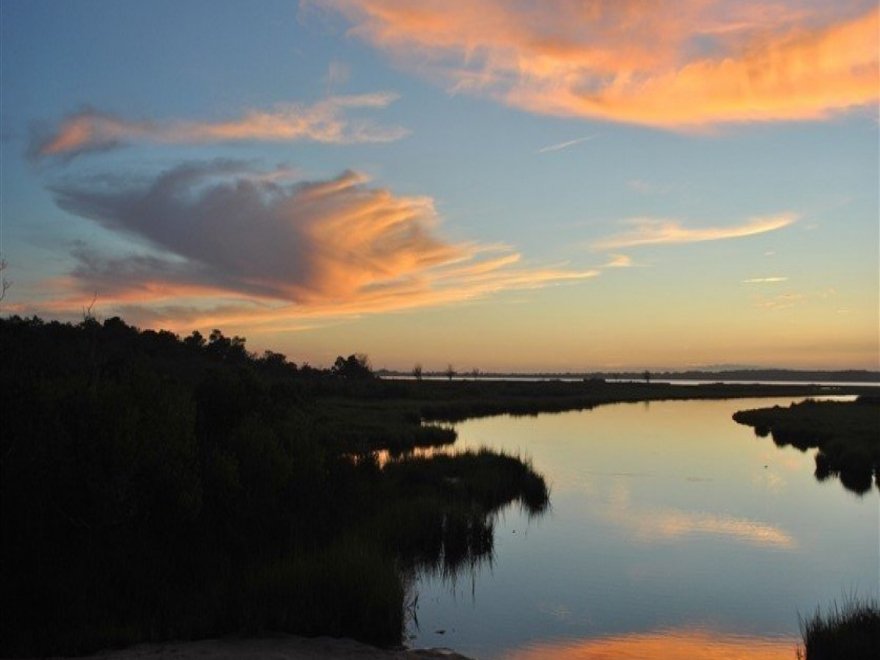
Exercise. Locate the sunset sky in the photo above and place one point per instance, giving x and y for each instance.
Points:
(497, 184)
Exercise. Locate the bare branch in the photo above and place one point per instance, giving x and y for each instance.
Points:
(87, 311)
(4, 283)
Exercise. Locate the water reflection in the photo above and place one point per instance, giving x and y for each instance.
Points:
(662, 645)
(668, 524)
(845, 436)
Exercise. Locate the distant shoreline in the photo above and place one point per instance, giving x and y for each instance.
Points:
(750, 376)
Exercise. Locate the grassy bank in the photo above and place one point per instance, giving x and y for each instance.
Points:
(155, 488)
(390, 413)
(847, 435)
(850, 631)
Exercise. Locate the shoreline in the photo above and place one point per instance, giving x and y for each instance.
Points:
(276, 647)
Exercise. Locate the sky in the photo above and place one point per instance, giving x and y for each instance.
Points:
(503, 185)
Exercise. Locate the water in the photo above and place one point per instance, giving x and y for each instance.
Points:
(674, 532)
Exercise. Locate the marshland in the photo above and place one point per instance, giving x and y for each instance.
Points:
(157, 487)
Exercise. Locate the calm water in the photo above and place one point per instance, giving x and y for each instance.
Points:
(674, 532)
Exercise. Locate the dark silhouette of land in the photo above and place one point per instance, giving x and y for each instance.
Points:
(155, 487)
(726, 375)
(847, 435)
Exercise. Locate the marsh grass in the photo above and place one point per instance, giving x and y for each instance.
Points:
(154, 488)
(351, 588)
(847, 435)
(849, 631)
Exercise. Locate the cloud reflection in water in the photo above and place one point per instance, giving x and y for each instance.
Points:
(662, 644)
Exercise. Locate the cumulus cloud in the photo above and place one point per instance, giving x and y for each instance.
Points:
(681, 63)
(325, 121)
(265, 249)
(650, 231)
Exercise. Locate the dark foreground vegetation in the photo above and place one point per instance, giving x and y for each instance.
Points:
(847, 435)
(153, 487)
(851, 631)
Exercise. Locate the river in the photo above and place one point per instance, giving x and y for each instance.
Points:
(673, 532)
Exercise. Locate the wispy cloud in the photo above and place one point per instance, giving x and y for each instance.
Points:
(765, 280)
(781, 301)
(327, 121)
(220, 241)
(619, 261)
(565, 145)
(651, 231)
(689, 63)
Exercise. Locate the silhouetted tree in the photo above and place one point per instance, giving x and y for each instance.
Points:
(450, 372)
(647, 376)
(355, 366)
(417, 371)
(226, 348)
(195, 340)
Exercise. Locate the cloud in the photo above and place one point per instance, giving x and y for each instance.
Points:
(650, 231)
(325, 121)
(781, 301)
(619, 261)
(565, 145)
(765, 280)
(673, 64)
(220, 240)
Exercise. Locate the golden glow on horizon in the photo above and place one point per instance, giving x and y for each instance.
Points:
(637, 62)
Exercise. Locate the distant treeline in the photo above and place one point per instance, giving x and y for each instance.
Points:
(154, 487)
(740, 375)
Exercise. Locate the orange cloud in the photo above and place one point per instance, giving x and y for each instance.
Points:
(220, 242)
(649, 231)
(687, 63)
(619, 261)
(662, 645)
(324, 121)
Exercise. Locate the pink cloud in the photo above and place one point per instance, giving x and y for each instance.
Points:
(325, 121)
(220, 241)
(689, 63)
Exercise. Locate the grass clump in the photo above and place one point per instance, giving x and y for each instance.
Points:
(847, 434)
(844, 632)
